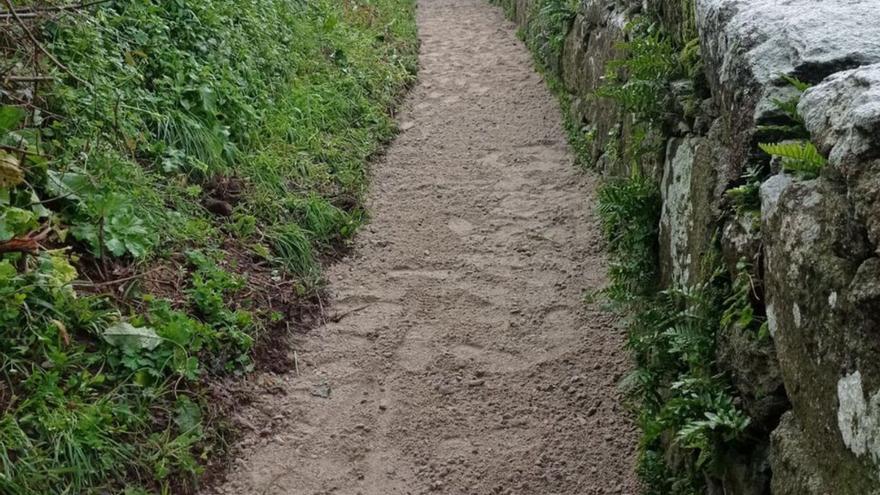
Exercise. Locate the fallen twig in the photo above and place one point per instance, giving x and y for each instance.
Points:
(28, 13)
(116, 281)
(339, 316)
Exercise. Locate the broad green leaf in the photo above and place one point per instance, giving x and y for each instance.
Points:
(15, 221)
(7, 270)
(131, 338)
(136, 248)
(69, 185)
(57, 269)
(37, 207)
(188, 415)
(115, 245)
(10, 117)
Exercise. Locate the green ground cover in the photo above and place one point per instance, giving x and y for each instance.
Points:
(188, 157)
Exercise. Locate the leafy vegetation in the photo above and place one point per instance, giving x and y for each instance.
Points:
(797, 154)
(630, 214)
(553, 21)
(745, 198)
(236, 133)
(683, 402)
(739, 310)
(685, 405)
(801, 158)
(640, 81)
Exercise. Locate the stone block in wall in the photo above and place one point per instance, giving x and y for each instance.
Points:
(794, 465)
(592, 42)
(842, 114)
(750, 362)
(748, 358)
(823, 314)
(746, 472)
(677, 263)
(748, 46)
(692, 189)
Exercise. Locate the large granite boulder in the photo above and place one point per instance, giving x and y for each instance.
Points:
(843, 116)
(822, 306)
(694, 179)
(748, 45)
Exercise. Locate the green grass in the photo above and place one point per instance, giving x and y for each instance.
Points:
(269, 109)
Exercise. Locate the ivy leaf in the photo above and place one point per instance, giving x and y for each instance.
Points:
(130, 338)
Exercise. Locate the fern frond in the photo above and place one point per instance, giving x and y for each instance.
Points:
(800, 157)
(796, 83)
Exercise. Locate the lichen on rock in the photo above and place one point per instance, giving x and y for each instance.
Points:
(859, 419)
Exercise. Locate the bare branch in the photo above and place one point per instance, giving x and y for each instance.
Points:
(39, 45)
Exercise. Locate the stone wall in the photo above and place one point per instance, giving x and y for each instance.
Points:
(813, 388)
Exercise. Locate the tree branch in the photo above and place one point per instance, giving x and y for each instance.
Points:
(39, 45)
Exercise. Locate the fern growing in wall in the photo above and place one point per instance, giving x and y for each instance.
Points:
(550, 24)
(798, 156)
(639, 82)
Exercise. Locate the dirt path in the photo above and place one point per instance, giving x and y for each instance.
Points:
(463, 360)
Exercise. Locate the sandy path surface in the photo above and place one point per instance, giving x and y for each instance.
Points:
(461, 358)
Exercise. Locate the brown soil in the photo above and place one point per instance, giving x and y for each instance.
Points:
(458, 356)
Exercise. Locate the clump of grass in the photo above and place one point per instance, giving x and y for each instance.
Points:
(294, 250)
(325, 222)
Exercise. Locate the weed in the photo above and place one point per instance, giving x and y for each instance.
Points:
(745, 198)
(738, 307)
(294, 250)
